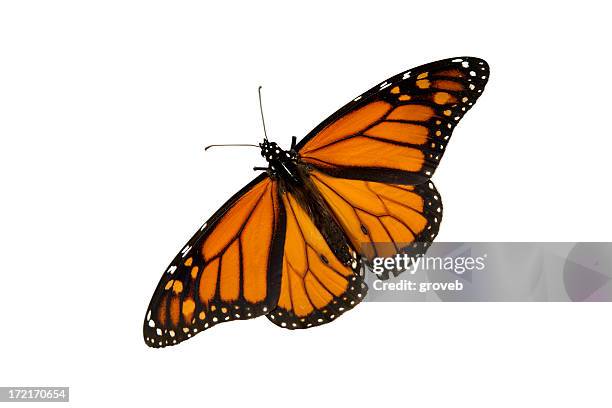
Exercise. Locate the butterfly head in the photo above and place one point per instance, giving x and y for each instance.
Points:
(282, 163)
(272, 152)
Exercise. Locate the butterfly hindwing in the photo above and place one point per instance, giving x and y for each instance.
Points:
(230, 269)
(397, 132)
(382, 219)
(316, 287)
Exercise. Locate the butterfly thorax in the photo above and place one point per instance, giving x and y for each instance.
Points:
(281, 163)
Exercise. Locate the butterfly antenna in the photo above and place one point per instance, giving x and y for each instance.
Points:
(231, 144)
(263, 121)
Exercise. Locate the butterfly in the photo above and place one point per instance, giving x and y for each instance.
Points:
(292, 244)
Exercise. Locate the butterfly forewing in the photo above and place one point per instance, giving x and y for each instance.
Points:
(397, 132)
(229, 270)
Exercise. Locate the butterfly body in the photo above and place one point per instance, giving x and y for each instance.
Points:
(291, 244)
(293, 178)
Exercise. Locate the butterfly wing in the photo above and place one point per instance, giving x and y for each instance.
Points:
(372, 160)
(316, 287)
(230, 269)
(397, 131)
(382, 219)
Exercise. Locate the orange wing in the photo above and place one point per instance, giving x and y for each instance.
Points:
(382, 219)
(211, 281)
(316, 287)
(397, 132)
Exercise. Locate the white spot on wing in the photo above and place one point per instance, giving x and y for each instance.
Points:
(186, 250)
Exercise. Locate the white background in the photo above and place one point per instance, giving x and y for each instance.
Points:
(105, 108)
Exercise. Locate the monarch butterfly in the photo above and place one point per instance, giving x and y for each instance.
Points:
(291, 244)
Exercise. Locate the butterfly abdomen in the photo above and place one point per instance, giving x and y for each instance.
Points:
(312, 202)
